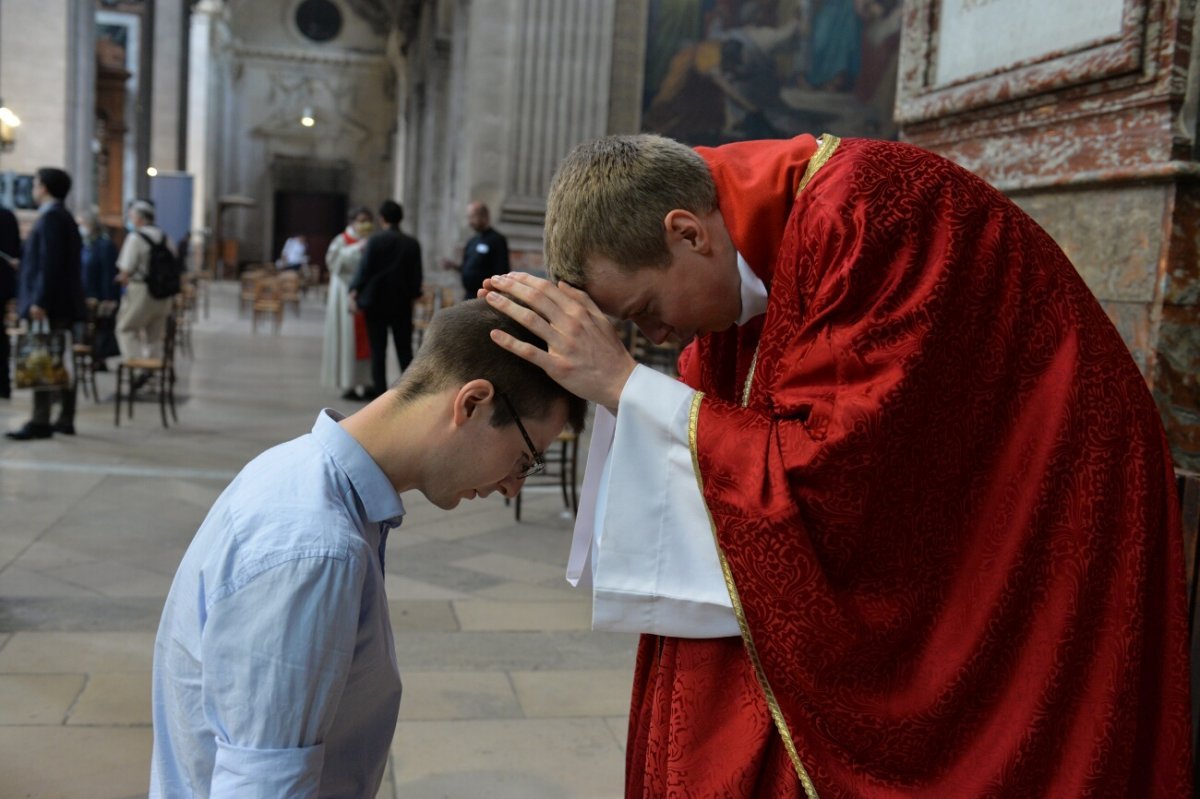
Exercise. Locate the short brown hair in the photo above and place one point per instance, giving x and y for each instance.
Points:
(609, 198)
(458, 348)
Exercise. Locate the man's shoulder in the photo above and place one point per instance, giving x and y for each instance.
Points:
(287, 503)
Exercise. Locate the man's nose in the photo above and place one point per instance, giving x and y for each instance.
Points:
(655, 331)
(509, 486)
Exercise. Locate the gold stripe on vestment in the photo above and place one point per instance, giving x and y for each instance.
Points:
(829, 143)
(810, 790)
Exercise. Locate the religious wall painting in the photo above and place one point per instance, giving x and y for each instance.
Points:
(728, 70)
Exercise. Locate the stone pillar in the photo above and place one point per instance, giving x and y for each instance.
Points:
(168, 90)
(81, 104)
(1084, 112)
(559, 97)
(204, 123)
(37, 79)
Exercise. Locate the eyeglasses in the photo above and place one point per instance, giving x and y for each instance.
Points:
(538, 464)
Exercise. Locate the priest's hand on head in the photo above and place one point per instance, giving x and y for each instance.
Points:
(585, 354)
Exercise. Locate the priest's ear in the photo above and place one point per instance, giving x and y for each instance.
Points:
(686, 229)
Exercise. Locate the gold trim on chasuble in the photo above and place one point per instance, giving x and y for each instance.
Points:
(829, 143)
(810, 790)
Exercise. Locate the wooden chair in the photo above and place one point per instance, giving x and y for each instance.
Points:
(423, 310)
(562, 459)
(83, 352)
(185, 313)
(161, 368)
(268, 301)
(249, 286)
(290, 288)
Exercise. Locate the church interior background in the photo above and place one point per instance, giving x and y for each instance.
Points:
(1084, 113)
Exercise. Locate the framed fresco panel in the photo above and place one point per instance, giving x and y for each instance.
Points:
(718, 71)
(963, 55)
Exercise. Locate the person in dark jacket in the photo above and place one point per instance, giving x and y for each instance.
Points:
(51, 290)
(100, 284)
(10, 255)
(388, 280)
(485, 254)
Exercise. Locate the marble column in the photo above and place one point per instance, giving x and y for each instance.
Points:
(203, 124)
(560, 94)
(81, 102)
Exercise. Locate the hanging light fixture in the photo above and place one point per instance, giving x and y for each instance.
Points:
(9, 122)
(306, 118)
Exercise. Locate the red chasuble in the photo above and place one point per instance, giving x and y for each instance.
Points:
(943, 502)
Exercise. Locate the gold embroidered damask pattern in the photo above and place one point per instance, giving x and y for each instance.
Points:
(829, 143)
(810, 790)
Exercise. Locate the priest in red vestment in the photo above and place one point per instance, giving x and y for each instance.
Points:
(906, 527)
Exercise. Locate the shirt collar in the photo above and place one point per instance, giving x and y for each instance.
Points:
(754, 292)
(379, 499)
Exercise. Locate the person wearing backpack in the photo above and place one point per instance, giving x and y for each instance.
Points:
(142, 317)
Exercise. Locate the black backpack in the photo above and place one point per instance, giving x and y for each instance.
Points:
(165, 277)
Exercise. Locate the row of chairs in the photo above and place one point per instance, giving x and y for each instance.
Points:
(267, 292)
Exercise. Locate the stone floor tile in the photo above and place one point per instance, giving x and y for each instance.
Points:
(18, 582)
(524, 592)
(421, 616)
(37, 698)
(114, 578)
(57, 653)
(488, 615)
(619, 725)
(565, 694)
(406, 588)
(120, 700)
(512, 569)
(75, 762)
(509, 651)
(44, 555)
(519, 759)
(80, 614)
(446, 695)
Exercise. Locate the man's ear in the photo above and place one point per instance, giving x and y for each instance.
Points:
(473, 397)
(686, 229)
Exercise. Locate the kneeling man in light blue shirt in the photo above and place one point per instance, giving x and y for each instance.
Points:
(274, 667)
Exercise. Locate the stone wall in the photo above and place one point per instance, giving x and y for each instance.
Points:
(1088, 121)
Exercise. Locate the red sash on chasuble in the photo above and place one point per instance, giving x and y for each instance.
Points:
(943, 503)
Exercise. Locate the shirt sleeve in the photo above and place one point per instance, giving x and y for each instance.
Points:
(276, 656)
(655, 567)
(127, 260)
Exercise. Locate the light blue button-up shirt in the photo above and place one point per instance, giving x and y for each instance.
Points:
(274, 668)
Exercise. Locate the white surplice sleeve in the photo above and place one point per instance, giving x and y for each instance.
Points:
(643, 526)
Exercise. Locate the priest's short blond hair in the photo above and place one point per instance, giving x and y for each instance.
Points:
(610, 197)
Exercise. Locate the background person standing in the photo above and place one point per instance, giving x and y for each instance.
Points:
(100, 284)
(484, 256)
(142, 318)
(51, 290)
(388, 280)
(341, 366)
(10, 254)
